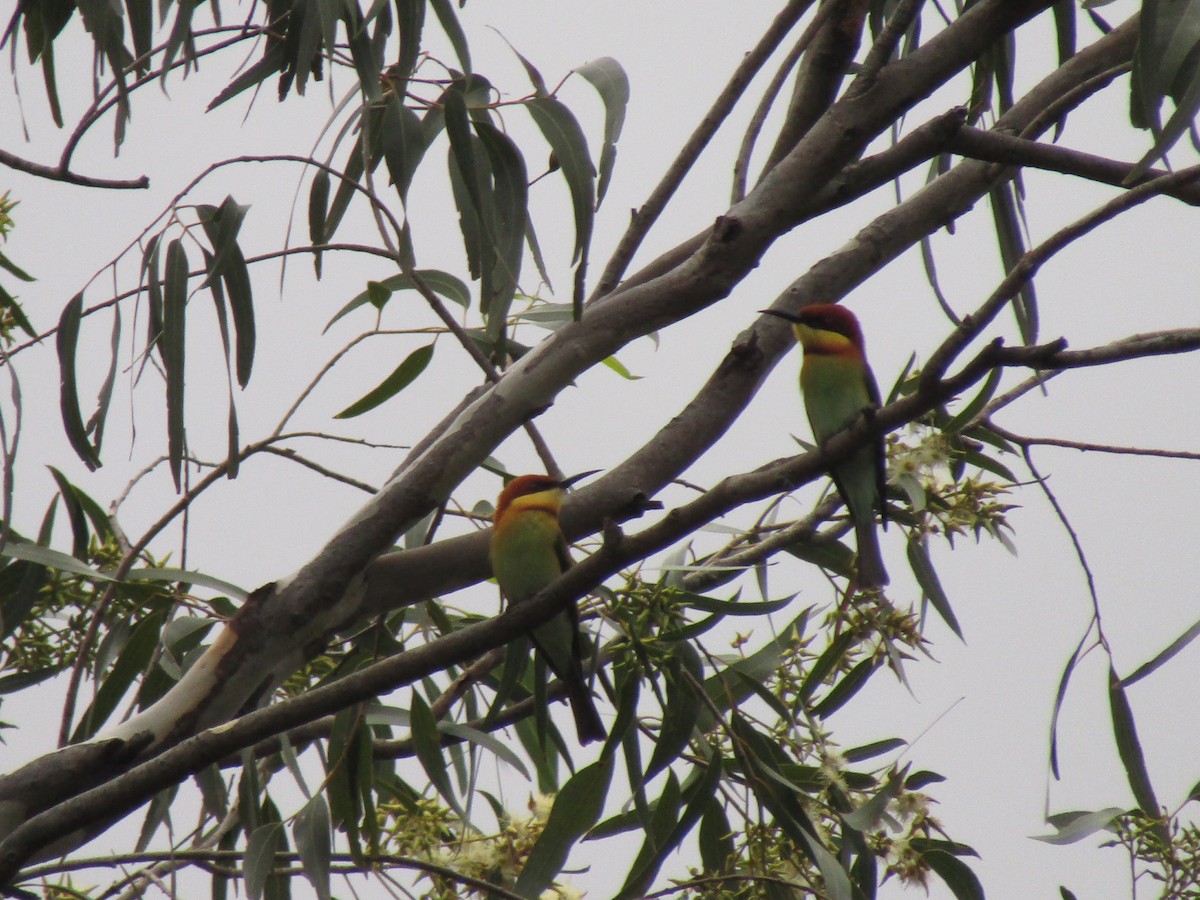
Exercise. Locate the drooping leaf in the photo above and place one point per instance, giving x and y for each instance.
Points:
(576, 809)
(1059, 696)
(312, 831)
(931, 586)
(261, 847)
(1008, 215)
(442, 283)
(67, 340)
(222, 226)
(171, 348)
(668, 830)
(450, 24)
(403, 141)
(682, 672)
(429, 751)
(1129, 747)
(956, 874)
(844, 690)
(404, 375)
(562, 132)
(506, 229)
(612, 84)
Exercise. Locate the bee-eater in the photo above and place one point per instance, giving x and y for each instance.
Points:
(528, 551)
(838, 385)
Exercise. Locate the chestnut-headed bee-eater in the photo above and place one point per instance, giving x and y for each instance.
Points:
(528, 551)
(838, 385)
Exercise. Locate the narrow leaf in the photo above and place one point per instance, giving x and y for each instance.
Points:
(66, 341)
(576, 809)
(171, 348)
(312, 831)
(429, 751)
(612, 84)
(404, 375)
(1162, 658)
(562, 132)
(1079, 825)
(1129, 748)
(931, 586)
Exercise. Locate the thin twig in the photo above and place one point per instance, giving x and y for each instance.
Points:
(741, 165)
(644, 217)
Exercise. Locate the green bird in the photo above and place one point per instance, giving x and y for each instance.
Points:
(838, 385)
(528, 551)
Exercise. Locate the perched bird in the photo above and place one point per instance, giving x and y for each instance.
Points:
(837, 385)
(528, 551)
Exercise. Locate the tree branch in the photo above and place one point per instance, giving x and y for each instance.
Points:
(63, 174)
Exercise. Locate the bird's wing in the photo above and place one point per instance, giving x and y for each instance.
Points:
(561, 551)
(880, 455)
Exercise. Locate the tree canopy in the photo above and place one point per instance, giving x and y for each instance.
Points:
(412, 258)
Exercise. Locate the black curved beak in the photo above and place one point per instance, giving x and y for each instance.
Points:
(780, 314)
(567, 482)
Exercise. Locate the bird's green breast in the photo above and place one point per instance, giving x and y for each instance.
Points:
(835, 392)
(524, 554)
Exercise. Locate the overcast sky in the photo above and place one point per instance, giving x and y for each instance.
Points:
(979, 712)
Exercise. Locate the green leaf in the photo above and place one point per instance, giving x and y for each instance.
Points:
(404, 375)
(681, 708)
(845, 689)
(429, 750)
(21, 583)
(450, 24)
(1076, 826)
(19, 681)
(79, 526)
(261, 848)
(506, 229)
(931, 586)
(403, 142)
(716, 838)
(189, 576)
(312, 831)
(826, 663)
(1059, 696)
(726, 691)
(66, 340)
(562, 132)
(171, 348)
(487, 741)
(669, 829)
(318, 210)
(1165, 64)
(870, 751)
(271, 62)
(1008, 215)
(1129, 748)
(617, 366)
(1161, 658)
(576, 809)
(964, 416)
(956, 874)
(54, 559)
(442, 283)
(612, 84)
